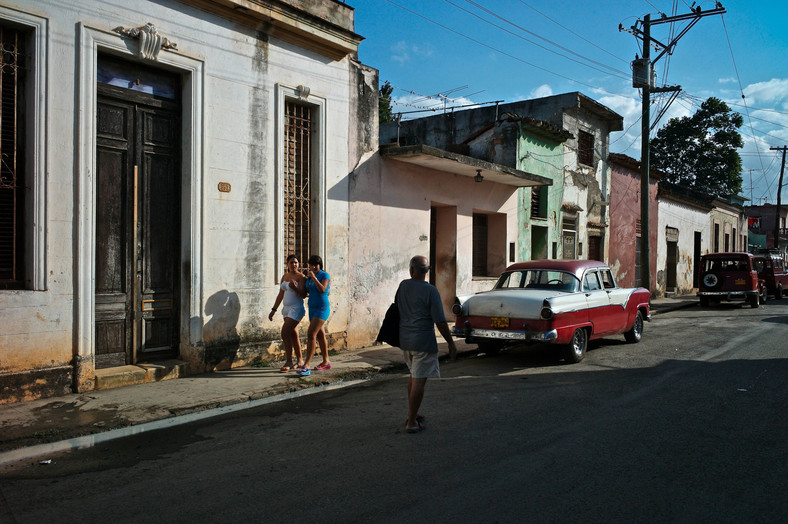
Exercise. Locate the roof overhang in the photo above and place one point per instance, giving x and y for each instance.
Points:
(324, 27)
(455, 163)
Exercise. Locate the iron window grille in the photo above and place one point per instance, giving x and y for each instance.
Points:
(13, 73)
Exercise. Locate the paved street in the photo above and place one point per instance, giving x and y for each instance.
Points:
(688, 425)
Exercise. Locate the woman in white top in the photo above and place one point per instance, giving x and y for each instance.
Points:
(292, 291)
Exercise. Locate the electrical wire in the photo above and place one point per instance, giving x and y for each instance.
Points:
(575, 34)
(504, 53)
(609, 70)
(738, 79)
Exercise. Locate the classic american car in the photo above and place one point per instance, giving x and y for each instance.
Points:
(564, 302)
(729, 277)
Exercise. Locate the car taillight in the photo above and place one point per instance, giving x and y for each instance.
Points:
(456, 308)
(546, 313)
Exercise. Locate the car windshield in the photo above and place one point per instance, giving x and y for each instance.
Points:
(726, 264)
(538, 279)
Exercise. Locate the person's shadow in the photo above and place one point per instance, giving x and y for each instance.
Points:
(220, 333)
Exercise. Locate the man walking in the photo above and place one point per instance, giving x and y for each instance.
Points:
(420, 309)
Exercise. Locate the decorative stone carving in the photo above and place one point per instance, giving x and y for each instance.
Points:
(151, 42)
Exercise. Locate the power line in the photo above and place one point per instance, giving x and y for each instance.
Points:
(610, 70)
(504, 53)
(577, 35)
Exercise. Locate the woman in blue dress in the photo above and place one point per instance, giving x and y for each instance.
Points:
(318, 283)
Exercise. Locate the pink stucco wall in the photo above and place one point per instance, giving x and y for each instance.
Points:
(389, 218)
(625, 201)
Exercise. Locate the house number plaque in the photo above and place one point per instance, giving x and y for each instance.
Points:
(224, 187)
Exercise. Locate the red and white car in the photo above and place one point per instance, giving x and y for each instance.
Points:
(564, 302)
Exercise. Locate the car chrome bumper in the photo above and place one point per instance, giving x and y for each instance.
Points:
(729, 294)
(494, 334)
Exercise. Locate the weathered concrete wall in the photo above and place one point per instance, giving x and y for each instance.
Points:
(584, 186)
(730, 222)
(231, 99)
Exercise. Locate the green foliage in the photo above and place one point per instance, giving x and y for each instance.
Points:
(384, 103)
(699, 151)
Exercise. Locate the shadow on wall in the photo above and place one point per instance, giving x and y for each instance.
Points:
(220, 332)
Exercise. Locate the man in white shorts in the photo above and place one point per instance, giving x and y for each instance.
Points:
(420, 309)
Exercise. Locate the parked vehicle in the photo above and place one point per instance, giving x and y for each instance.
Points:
(771, 269)
(729, 277)
(563, 302)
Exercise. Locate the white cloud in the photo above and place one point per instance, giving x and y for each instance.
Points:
(775, 91)
(402, 52)
(541, 91)
(728, 80)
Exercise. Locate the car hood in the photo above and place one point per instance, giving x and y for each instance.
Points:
(516, 303)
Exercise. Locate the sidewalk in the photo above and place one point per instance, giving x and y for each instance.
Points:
(57, 419)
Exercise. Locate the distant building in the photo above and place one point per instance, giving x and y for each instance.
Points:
(762, 221)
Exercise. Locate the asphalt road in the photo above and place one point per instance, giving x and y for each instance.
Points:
(689, 425)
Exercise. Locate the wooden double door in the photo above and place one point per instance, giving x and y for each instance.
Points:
(138, 244)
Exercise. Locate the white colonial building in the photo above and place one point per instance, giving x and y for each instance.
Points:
(160, 160)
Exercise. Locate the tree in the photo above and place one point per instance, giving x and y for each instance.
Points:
(384, 103)
(699, 151)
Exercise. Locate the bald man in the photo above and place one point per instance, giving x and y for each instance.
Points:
(420, 309)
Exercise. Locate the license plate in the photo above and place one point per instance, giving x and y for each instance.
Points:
(739, 282)
(499, 322)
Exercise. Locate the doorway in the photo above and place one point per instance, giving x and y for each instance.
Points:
(671, 263)
(443, 253)
(138, 122)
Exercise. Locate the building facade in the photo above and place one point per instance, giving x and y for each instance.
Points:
(684, 232)
(626, 233)
(166, 165)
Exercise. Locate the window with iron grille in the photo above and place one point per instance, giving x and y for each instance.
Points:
(13, 73)
(298, 180)
(585, 148)
(479, 245)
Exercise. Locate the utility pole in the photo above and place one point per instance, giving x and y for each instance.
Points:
(643, 77)
(779, 191)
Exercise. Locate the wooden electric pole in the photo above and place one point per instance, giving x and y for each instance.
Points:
(779, 191)
(644, 78)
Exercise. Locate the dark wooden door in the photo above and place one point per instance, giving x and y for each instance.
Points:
(137, 227)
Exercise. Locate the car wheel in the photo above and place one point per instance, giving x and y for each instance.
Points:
(576, 350)
(704, 301)
(755, 301)
(490, 348)
(636, 333)
(778, 293)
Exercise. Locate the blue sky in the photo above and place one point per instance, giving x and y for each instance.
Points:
(474, 51)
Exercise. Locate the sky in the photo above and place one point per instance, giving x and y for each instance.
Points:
(449, 53)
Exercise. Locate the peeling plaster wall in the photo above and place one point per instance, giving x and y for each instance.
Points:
(390, 220)
(242, 69)
(545, 158)
(625, 202)
(687, 220)
(586, 186)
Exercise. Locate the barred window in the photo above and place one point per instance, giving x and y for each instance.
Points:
(13, 75)
(298, 180)
(585, 148)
